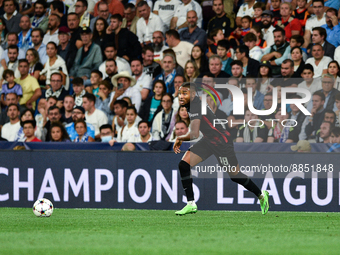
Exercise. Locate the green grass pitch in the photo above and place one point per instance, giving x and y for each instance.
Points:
(92, 231)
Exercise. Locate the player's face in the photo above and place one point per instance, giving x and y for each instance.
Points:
(184, 96)
(80, 128)
(56, 134)
(130, 116)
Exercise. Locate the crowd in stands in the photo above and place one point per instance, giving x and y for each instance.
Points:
(110, 70)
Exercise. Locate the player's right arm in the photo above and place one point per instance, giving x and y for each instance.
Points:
(192, 135)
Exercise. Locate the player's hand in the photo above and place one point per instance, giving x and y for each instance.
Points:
(177, 145)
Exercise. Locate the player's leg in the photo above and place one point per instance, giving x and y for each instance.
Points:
(189, 159)
(237, 176)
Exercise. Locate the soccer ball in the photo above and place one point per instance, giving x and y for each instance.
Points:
(43, 208)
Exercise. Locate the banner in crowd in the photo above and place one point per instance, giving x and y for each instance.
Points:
(150, 180)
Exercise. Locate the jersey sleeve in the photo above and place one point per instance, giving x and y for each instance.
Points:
(195, 112)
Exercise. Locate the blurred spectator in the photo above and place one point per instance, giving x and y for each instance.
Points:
(250, 66)
(28, 115)
(265, 77)
(73, 24)
(334, 69)
(57, 89)
(275, 52)
(11, 16)
(81, 9)
(168, 73)
(13, 61)
(79, 113)
(309, 83)
(165, 9)
(179, 19)
(79, 91)
(57, 7)
(35, 67)
(143, 80)
(110, 71)
(81, 129)
(257, 96)
(150, 67)
(335, 135)
(43, 107)
(11, 98)
(246, 9)
(255, 52)
(124, 86)
(55, 64)
(96, 77)
(297, 57)
(193, 34)
(10, 86)
(58, 133)
(28, 127)
(99, 32)
(122, 64)
(127, 44)
(130, 18)
(88, 58)
(30, 88)
(103, 12)
(287, 73)
(221, 20)
(37, 38)
(158, 45)
(161, 123)
(144, 135)
(191, 71)
(312, 123)
(130, 130)
(25, 39)
(115, 7)
(119, 120)
(319, 35)
(106, 133)
(53, 29)
(94, 116)
(180, 129)
(253, 131)
(40, 19)
(103, 101)
(53, 115)
(325, 132)
(332, 27)
(10, 129)
(329, 91)
(301, 146)
(66, 50)
(181, 48)
(267, 27)
(316, 20)
(68, 108)
(319, 61)
(283, 130)
(197, 55)
(239, 33)
(289, 23)
(152, 104)
(147, 23)
(237, 72)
